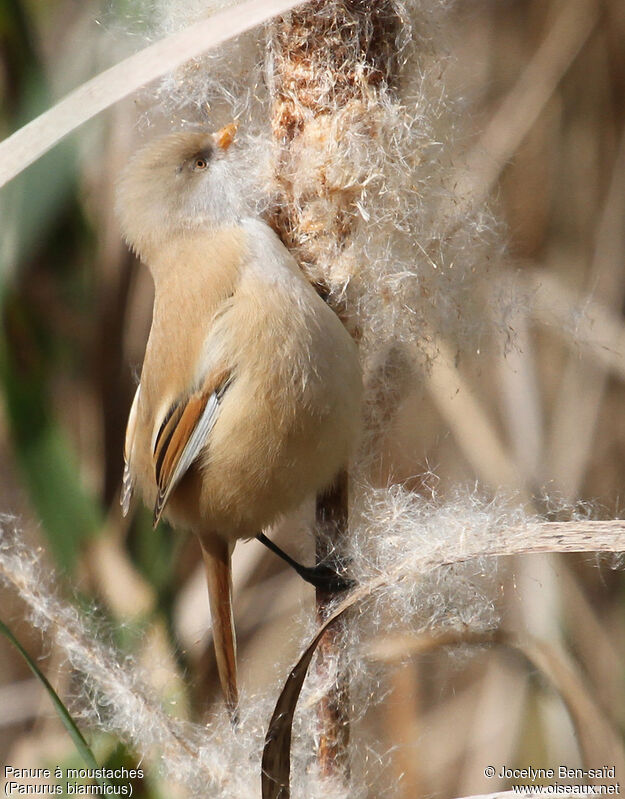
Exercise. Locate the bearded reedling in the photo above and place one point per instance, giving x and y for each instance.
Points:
(250, 392)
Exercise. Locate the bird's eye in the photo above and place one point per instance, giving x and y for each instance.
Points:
(200, 163)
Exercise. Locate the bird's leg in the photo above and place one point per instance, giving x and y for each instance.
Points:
(321, 576)
(216, 554)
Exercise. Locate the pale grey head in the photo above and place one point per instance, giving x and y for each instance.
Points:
(177, 183)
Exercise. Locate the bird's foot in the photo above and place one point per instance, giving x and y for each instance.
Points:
(324, 577)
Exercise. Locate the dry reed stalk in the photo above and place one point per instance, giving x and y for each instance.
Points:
(332, 521)
(402, 717)
(327, 62)
(583, 383)
(519, 110)
(599, 332)
(469, 421)
(598, 737)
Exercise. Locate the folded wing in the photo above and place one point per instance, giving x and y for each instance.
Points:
(184, 434)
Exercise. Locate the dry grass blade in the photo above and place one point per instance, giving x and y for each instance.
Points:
(578, 536)
(276, 765)
(37, 137)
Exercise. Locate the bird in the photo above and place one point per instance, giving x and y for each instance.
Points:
(249, 399)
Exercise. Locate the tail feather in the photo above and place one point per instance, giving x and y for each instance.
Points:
(216, 554)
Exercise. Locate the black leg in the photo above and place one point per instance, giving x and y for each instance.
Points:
(321, 576)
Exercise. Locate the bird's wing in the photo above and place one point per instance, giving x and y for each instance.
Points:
(184, 433)
(128, 482)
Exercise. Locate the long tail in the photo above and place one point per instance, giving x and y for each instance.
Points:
(216, 554)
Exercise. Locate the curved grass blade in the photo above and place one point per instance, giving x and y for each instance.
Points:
(276, 764)
(68, 722)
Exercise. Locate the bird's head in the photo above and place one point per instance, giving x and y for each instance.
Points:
(179, 182)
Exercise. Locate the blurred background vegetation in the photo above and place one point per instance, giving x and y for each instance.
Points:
(75, 311)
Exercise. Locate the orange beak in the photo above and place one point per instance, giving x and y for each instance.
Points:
(225, 136)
